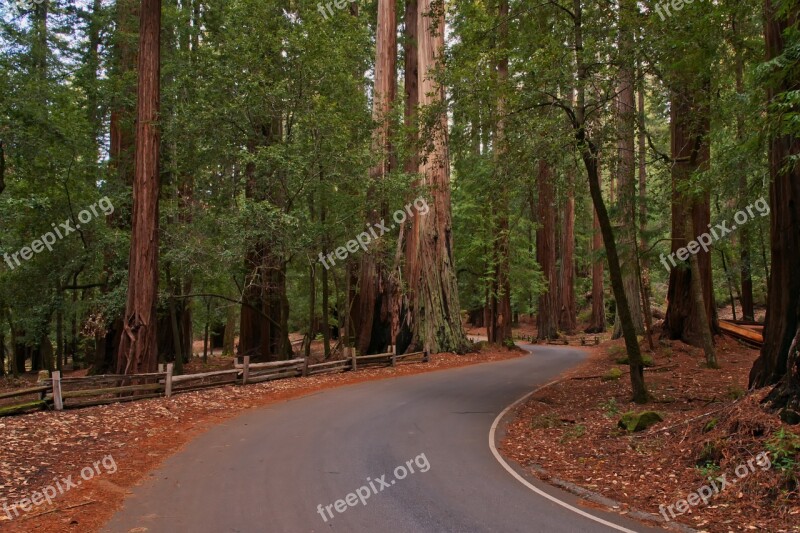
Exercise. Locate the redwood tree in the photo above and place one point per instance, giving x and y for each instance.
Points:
(432, 317)
(689, 126)
(138, 349)
(547, 318)
(374, 331)
(779, 363)
(626, 167)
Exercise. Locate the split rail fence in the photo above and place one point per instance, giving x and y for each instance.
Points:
(61, 393)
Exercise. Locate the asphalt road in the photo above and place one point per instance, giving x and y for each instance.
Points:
(276, 469)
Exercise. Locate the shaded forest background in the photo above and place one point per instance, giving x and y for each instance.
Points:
(564, 147)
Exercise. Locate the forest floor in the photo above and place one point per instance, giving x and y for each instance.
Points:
(711, 425)
(37, 448)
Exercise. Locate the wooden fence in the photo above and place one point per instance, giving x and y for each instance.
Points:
(73, 392)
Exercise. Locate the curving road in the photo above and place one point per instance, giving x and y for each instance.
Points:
(276, 469)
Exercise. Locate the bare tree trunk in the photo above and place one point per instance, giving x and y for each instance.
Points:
(568, 319)
(598, 319)
(626, 168)
(374, 330)
(748, 306)
(697, 297)
(326, 326)
(433, 315)
(644, 263)
(547, 319)
(779, 362)
(139, 344)
(689, 127)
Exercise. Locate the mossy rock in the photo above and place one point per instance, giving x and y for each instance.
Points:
(633, 422)
(612, 375)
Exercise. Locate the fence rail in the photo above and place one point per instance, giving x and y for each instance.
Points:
(61, 393)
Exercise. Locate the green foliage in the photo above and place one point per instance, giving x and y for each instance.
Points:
(634, 422)
(784, 451)
(610, 407)
(709, 458)
(710, 425)
(573, 433)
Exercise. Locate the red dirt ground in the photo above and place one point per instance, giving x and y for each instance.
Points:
(711, 426)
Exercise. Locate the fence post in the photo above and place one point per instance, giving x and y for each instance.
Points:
(168, 381)
(393, 350)
(58, 401)
(161, 368)
(245, 369)
(305, 366)
(353, 359)
(426, 355)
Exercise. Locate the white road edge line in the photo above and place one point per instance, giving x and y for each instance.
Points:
(525, 482)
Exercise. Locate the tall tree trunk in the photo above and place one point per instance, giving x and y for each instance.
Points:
(374, 330)
(689, 126)
(326, 324)
(626, 167)
(589, 154)
(644, 262)
(121, 151)
(499, 320)
(263, 332)
(748, 306)
(696, 289)
(547, 318)
(401, 331)
(433, 316)
(568, 317)
(597, 323)
(139, 345)
(779, 362)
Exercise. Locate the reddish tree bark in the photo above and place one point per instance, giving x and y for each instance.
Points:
(547, 318)
(374, 330)
(779, 362)
(432, 318)
(689, 126)
(626, 169)
(138, 349)
(568, 320)
(597, 322)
